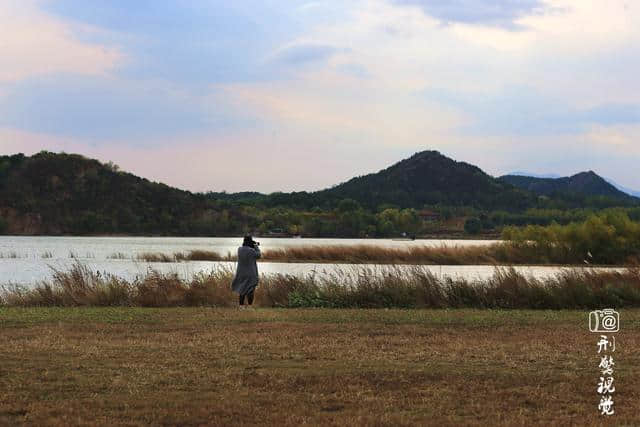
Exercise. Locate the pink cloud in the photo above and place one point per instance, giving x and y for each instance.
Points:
(35, 43)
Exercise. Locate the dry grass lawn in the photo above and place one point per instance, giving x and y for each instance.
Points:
(195, 366)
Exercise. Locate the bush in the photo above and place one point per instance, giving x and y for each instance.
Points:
(472, 226)
(609, 237)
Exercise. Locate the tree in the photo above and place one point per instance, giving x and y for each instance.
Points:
(472, 226)
(348, 205)
(409, 221)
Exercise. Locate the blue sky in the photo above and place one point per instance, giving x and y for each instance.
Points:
(299, 95)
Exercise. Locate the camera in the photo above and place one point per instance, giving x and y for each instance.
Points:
(256, 244)
(606, 320)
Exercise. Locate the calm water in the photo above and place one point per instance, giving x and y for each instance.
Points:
(100, 248)
(28, 260)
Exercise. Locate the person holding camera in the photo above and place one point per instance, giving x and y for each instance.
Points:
(246, 278)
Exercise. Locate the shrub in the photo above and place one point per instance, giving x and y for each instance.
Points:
(472, 226)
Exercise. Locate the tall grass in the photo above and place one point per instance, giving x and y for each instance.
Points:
(200, 255)
(80, 286)
(155, 257)
(194, 255)
(117, 255)
(516, 253)
(10, 255)
(445, 255)
(364, 287)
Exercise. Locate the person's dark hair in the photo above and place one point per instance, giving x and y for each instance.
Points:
(248, 241)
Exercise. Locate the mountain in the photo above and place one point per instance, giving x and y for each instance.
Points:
(634, 193)
(51, 193)
(429, 177)
(535, 175)
(583, 183)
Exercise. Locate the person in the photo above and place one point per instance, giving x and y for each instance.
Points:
(246, 278)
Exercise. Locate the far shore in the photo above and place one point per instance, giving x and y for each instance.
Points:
(444, 236)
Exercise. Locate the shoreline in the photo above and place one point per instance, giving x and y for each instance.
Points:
(233, 236)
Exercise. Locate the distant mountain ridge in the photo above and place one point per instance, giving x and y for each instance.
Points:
(50, 193)
(586, 183)
(535, 175)
(428, 177)
(630, 191)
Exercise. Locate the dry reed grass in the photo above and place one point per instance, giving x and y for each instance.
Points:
(9, 255)
(117, 255)
(194, 255)
(505, 253)
(362, 287)
(499, 253)
(155, 257)
(200, 255)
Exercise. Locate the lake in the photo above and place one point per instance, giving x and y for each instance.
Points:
(28, 260)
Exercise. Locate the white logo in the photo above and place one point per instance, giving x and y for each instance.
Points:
(607, 320)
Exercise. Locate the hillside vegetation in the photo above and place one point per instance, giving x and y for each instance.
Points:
(426, 194)
(583, 183)
(606, 238)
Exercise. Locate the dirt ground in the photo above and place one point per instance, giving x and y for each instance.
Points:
(205, 366)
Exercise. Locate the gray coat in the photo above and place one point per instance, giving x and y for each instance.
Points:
(247, 272)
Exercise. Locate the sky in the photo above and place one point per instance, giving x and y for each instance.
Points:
(283, 95)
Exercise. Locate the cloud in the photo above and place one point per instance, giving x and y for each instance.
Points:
(104, 109)
(353, 69)
(522, 111)
(500, 13)
(304, 53)
(34, 43)
(549, 84)
(193, 43)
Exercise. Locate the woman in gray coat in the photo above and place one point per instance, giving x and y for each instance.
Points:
(246, 279)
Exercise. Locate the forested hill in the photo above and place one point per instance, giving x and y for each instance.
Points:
(430, 178)
(50, 193)
(586, 183)
(66, 193)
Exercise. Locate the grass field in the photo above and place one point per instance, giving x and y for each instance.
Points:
(193, 366)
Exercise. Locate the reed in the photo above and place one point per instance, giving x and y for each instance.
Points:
(504, 253)
(360, 287)
(199, 255)
(79, 286)
(10, 255)
(117, 255)
(155, 257)
(194, 255)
